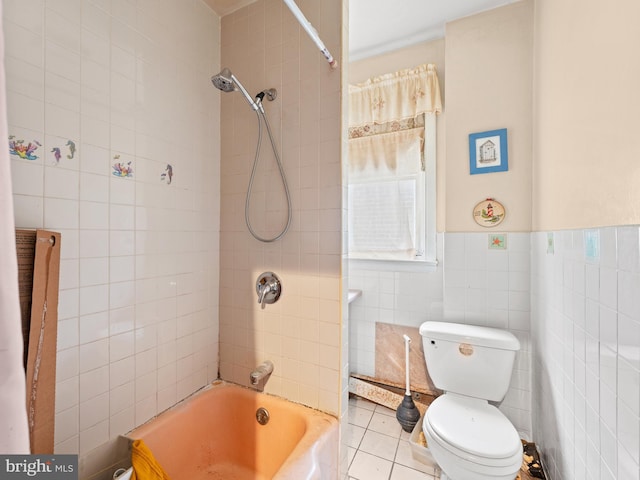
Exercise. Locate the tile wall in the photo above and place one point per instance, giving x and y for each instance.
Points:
(115, 99)
(586, 345)
(472, 284)
(394, 296)
(264, 46)
(487, 286)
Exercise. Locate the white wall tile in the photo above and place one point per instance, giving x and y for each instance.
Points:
(121, 295)
(608, 247)
(29, 211)
(59, 213)
(68, 273)
(94, 188)
(26, 112)
(94, 383)
(94, 216)
(94, 327)
(122, 371)
(610, 373)
(121, 346)
(608, 287)
(121, 397)
(94, 411)
(94, 271)
(94, 355)
(27, 178)
(67, 333)
(95, 19)
(93, 437)
(94, 243)
(94, 299)
(122, 421)
(68, 421)
(67, 394)
(121, 242)
(29, 48)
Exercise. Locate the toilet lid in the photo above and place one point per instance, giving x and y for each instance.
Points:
(473, 426)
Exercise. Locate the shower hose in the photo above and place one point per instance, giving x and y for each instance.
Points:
(253, 174)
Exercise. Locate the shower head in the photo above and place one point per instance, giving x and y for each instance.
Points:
(227, 82)
(224, 81)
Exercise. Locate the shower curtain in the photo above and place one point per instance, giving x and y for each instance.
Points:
(14, 434)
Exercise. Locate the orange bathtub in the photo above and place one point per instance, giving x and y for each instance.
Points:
(215, 435)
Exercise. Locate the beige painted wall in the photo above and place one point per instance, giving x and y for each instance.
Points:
(408, 57)
(586, 171)
(489, 86)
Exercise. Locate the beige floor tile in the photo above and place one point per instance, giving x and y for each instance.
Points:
(359, 416)
(354, 435)
(351, 452)
(386, 424)
(385, 411)
(369, 467)
(405, 457)
(379, 445)
(400, 472)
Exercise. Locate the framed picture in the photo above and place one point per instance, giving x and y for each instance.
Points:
(488, 152)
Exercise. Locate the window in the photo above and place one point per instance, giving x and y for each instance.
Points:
(391, 185)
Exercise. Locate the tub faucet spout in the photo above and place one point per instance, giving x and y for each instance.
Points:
(261, 374)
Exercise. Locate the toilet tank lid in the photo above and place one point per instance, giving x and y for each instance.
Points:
(472, 334)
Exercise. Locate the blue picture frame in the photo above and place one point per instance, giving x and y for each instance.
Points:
(488, 152)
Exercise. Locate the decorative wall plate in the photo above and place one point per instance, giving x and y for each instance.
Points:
(488, 213)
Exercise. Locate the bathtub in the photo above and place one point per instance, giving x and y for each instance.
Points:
(214, 434)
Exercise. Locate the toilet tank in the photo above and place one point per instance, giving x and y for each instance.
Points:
(469, 360)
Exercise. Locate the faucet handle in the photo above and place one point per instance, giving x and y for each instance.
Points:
(268, 288)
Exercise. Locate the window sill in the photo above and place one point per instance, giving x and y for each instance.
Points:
(395, 265)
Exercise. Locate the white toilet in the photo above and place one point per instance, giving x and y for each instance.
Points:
(470, 438)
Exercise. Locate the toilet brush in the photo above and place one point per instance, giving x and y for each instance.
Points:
(407, 413)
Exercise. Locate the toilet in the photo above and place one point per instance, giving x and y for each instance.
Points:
(470, 438)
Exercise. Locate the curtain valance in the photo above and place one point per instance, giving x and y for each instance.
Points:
(395, 96)
(378, 156)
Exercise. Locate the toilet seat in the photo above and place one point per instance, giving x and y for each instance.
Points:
(470, 463)
(473, 430)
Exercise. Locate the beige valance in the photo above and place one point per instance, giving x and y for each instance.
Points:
(378, 156)
(395, 96)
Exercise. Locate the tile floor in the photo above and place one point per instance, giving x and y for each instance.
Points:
(378, 447)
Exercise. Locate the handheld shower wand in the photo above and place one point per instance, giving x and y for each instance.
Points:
(227, 82)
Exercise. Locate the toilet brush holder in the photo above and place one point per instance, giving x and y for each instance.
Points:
(407, 414)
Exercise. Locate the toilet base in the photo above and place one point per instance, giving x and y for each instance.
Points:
(443, 476)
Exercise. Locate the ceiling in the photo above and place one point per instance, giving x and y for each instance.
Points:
(222, 7)
(379, 26)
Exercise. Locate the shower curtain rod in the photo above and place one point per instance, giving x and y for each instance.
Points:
(311, 31)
